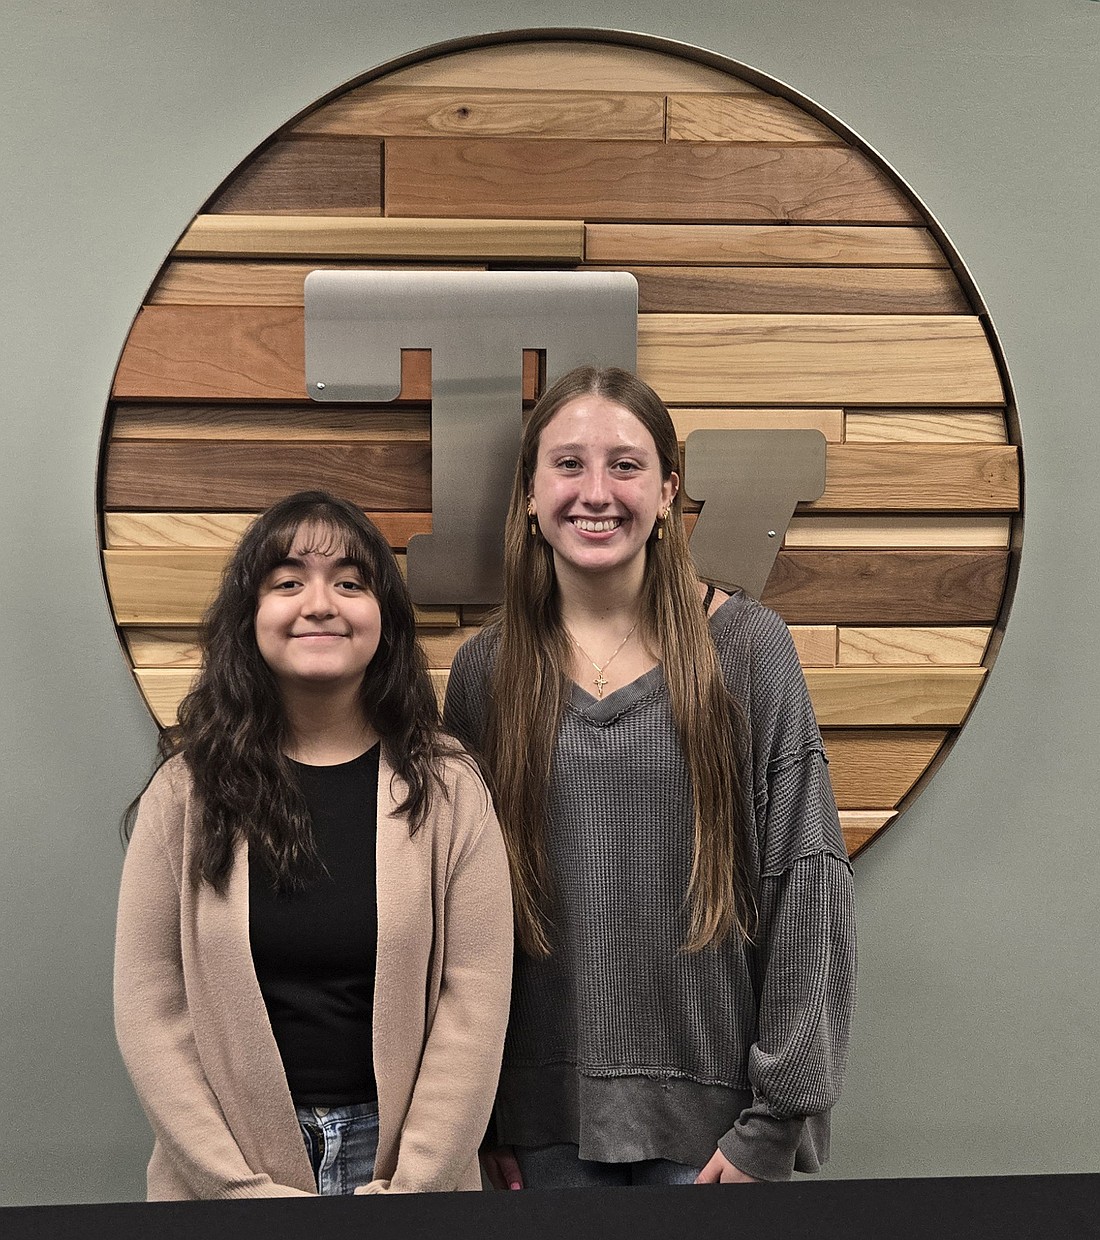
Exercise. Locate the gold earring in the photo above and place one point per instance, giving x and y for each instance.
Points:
(532, 523)
(662, 517)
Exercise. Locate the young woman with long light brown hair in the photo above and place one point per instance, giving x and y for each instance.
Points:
(683, 897)
(315, 932)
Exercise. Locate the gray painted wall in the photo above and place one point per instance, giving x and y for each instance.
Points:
(976, 1045)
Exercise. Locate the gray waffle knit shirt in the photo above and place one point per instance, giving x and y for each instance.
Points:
(620, 1041)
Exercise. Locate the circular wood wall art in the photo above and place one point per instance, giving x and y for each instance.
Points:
(787, 279)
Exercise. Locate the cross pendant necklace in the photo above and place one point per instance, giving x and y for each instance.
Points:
(601, 680)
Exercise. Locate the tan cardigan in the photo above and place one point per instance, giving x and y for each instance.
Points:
(194, 1031)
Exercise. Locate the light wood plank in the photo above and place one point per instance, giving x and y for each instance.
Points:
(173, 587)
(818, 359)
(898, 532)
(830, 422)
(915, 426)
(167, 647)
(870, 768)
(380, 424)
(196, 282)
(307, 176)
(861, 826)
(556, 179)
(567, 64)
(756, 245)
(890, 477)
(815, 644)
(873, 588)
(223, 529)
(163, 689)
(962, 646)
(893, 697)
(743, 118)
(266, 236)
(179, 647)
(796, 290)
(382, 110)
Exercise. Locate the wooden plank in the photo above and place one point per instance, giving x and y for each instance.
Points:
(167, 647)
(815, 643)
(882, 697)
(174, 587)
(163, 689)
(557, 179)
(216, 352)
(381, 110)
(394, 474)
(887, 587)
(827, 359)
(757, 245)
(243, 353)
(796, 290)
(179, 647)
(376, 423)
(830, 422)
(223, 529)
(927, 426)
(214, 474)
(873, 768)
(303, 176)
(567, 64)
(743, 118)
(855, 531)
(960, 646)
(257, 353)
(892, 477)
(861, 826)
(195, 282)
(894, 696)
(266, 236)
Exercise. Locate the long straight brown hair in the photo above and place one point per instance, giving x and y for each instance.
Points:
(534, 651)
(232, 730)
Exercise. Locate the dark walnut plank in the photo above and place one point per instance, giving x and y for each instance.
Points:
(179, 420)
(871, 769)
(796, 290)
(515, 178)
(242, 353)
(248, 476)
(895, 587)
(302, 176)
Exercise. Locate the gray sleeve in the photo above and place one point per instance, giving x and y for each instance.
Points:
(466, 701)
(804, 946)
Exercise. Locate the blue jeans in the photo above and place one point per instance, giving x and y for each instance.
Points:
(558, 1166)
(342, 1143)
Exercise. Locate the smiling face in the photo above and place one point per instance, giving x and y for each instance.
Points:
(317, 622)
(597, 488)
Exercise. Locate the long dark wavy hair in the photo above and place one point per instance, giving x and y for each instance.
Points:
(232, 729)
(534, 652)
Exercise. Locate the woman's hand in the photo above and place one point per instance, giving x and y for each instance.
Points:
(721, 1171)
(501, 1167)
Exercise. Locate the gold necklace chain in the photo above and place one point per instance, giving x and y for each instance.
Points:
(601, 680)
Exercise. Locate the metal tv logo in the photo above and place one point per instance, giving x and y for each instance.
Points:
(477, 326)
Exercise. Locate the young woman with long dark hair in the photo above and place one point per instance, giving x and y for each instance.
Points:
(315, 932)
(683, 896)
